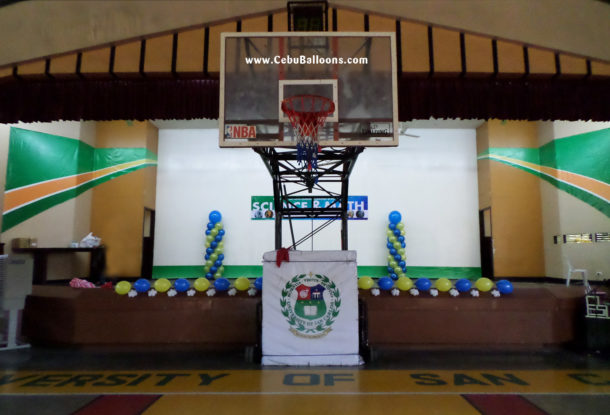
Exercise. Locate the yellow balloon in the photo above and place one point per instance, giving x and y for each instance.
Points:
(162, 285)
(365, 283)
(201, 284)
(443, 284)
(122, 287)
(484, 284)
(242, 283)
(404, 283)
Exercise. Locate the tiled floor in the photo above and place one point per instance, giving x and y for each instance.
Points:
(70, 381)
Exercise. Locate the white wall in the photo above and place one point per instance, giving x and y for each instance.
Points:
(431, 180)
(563, 213)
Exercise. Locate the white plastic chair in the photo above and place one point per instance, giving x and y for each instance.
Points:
(572, 270)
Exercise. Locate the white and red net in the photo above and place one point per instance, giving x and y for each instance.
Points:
(307, 113)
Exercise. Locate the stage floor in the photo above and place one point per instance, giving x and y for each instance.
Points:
(128, 382)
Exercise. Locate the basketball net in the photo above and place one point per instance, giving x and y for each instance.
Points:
(307, 113)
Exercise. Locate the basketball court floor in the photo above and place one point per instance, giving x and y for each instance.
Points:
(76, 381)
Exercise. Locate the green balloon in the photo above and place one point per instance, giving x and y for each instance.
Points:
(397, 270)
(397, 245)
(393, 264)
(209, 238)
(393, 239)
(209, 263)
(214, 257)
(217, 275)
(401, 251)
(390, 258)
(401, 274)
(402, 232)
(390, 233)
(213, 232)
(221, 245)
(221, 270)
(400, 226)
(218, 226)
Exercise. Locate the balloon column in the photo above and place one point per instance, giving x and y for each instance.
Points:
(397, 266)
(214, 246)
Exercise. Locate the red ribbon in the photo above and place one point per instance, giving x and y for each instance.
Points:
(282, 255)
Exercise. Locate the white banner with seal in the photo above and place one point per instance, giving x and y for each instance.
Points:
(310, 308)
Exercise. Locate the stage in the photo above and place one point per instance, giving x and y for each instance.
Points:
(534, 316)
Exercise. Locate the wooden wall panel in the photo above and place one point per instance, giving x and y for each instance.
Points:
(600, 68)
(510, 59)
(254, 24)
(189, 57)
(6, 71)
(415, 52)
(349, 21)
(63, 65)
(446, 49)
(36, 68)
(280, 21)
(572, 65)
(541, 62)
(214, 46)
(95, 61)
(381, 24)
(479, 55)
(127, 58)
(158, 57)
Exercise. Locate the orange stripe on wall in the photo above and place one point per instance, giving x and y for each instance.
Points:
(19, 197)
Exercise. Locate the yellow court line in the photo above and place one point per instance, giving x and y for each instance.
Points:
(307, 405)
(307, 382)
(594, 186)
(22, 196)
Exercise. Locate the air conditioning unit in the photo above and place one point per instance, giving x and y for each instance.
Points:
(15, 285)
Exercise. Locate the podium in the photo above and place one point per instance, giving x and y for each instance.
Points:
(310, 309)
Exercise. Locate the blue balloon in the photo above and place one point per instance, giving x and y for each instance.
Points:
(402, 264)
(390, 270)
(210, 225)
(463, 285)
(209, 251)
(207, 256)
(504, 286)
(423, 284)
(404, 269)
(207, 232)
(397, 257)
(397, 232)
(213, 269)
(218, 238)
(401, 238)
(222, 284)
(142, 285)
(215, 216)
(258, 283)
(214, 244)
(394, 276)
(209, 276)
(181, 285)
(394, 217)
(390, 245)
(221, 256)
(393, 251)
(385, 283)
(392, 226)
(218, 263)
(403, 245)
(221, 232)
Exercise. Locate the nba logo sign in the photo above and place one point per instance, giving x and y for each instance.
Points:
(240, 131)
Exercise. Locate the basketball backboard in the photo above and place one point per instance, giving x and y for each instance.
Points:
(357, 71)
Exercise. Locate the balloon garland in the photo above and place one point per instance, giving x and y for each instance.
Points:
(184, 286)
(214, 247)
(395, 243)
(434, 289)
